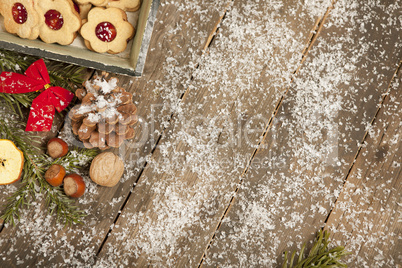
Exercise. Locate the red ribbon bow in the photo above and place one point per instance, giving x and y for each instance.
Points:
(36, 78)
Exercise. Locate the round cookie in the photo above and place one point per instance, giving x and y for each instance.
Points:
(107, 30)
(21, 18)
(127, 5)
(61, 21)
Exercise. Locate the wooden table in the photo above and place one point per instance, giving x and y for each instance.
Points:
(260, 123)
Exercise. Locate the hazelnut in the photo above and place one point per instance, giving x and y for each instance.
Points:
(57, 148)
(74, 185)
(55, 175)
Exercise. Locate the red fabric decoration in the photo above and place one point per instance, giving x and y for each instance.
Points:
(36, 78)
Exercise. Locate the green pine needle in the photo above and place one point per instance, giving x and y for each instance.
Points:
(14, 62)
(76, 159)
(33, 183)
(65, 75)
(319, 255)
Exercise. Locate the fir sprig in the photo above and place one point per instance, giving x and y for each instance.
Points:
(319, 255)
(76, 159)
(15, 62)
(63, 75)
(61, 205)
(15, 101)
(33, 183)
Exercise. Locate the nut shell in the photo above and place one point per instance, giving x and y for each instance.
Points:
(57, 148)
(74, 185)
(55, 175)
(106, 169)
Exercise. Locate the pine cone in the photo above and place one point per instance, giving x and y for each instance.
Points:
(106, 115)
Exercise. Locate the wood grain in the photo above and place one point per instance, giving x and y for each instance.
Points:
(182, 193)
(298, 172)
(180, 35)
(366, 216)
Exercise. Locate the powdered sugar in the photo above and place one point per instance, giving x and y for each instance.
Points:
(101, 107)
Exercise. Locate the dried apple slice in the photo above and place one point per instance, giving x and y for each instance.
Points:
(11, 162)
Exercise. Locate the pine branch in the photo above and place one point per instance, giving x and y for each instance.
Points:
(61, 74)
(67, 76)
(21, 198)
(18, 200)
(61, 205)
(64, 75)
(15, 62)
(33, 182)
(76, 159)
(15, 101)
(319, 255)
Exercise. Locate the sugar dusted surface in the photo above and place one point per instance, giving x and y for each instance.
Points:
(166, 216)
(312, 144)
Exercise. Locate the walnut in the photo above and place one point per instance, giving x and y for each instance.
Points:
(106, 169)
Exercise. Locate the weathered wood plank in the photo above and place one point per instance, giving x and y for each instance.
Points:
(366, 216)
(298, 172)
(180, 34)
(183, 192)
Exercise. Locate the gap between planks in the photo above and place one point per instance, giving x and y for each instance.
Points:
(380, 106)
(313, 37)
(208, 43)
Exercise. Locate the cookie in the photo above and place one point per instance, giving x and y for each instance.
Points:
(127, 5)
(82, 9)
(107, 30)
(21, 18)
(61, 23)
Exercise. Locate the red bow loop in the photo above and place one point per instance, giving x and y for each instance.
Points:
(59, 98)
(43, 107)
(38, 71)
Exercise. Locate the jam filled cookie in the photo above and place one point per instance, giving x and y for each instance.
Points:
(107, 30)
(61, 21)
(21, 18)
(83, 10)
(127, 5)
